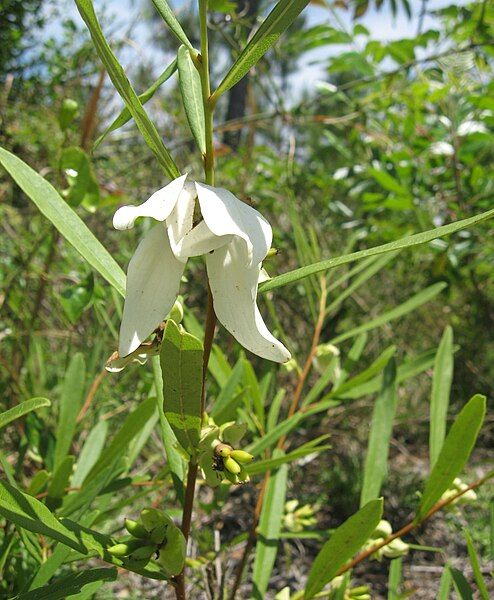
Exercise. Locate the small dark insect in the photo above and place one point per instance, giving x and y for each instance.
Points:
(218, 464)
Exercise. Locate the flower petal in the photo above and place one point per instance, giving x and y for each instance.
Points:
(225, 214)
(180, 221)
(234, 289)
(158, 206)
(199, 241)
(153, 279)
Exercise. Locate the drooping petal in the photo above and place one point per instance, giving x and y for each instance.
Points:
(199, 241)
(158, 206)
(153, 279)
(180, 221)
(234, 289)
(225, 214)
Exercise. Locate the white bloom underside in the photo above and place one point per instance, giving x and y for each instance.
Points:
(234, 238)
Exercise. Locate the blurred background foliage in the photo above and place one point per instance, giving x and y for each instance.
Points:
(342, 139)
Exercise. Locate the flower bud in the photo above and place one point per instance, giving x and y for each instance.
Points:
(223, 450)
(136, 529)
(241, 456)
(152, 517)
(143, 553)
(383, 529)
(232, 466)
(125, 548)
(68, 112)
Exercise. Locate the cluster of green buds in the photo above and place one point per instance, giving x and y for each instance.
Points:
(457, 486)
(297, 518)
(153, 535)
(218, 457)
(361, 592)
(394, 549)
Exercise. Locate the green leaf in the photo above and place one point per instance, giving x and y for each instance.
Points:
(261, 466)
(474, 561)
(71, 400)
(268, 533)
(454, 454)
(444, 585)
(132, 425)
(394, 578)
(22, 409)
(376, 367)
(125, 116)
(376, 460)
(76, 297)
(68, 223)
(399, 311)
(69, 586)
(406, 242)
(181, 367)
(91, 451)
(173, 456)
(224, 407)
(169, 18)
(59, 482)
(388, 182)
(462, 586)
(278, 20)
(125, 89)
(31, 514)
(346, 540)
(190, 86)
(441, 386)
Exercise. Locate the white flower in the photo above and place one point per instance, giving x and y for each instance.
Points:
(469, 127)
(234, 238)
(442, 149)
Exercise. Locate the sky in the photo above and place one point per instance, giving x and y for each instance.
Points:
(381, 24)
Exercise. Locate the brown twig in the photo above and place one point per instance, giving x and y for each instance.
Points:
(88, 124)
(412, 525)
(281, 442)
(90, 395)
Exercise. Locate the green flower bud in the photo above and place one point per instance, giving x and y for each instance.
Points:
(232, 478)
(383, 529)
(143, 553)
(231, 465)
(136, 529)
(158, 534)
(125, 548)
(241, 456)
(223, 450)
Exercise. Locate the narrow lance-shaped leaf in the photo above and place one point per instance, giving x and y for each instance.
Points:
(441, 386)
(21, 409)
(181, 368)
(70, 403)
(454, 454)
(190, 86)
(406, 242)
(31, 514)
(68, 223)
(399, 311)
(477, 571)
(381, 427)
(342, 545)
(125, 116)
(125, 89)
(169, 18)
(71, 585)
(278, 20)
(269, 529)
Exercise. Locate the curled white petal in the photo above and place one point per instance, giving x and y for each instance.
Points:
(225, 214)
(180, 221)
(200, 240)
(153, 279)
(234, 289)
(158, 206)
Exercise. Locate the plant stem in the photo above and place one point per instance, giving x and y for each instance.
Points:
(208, 159)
